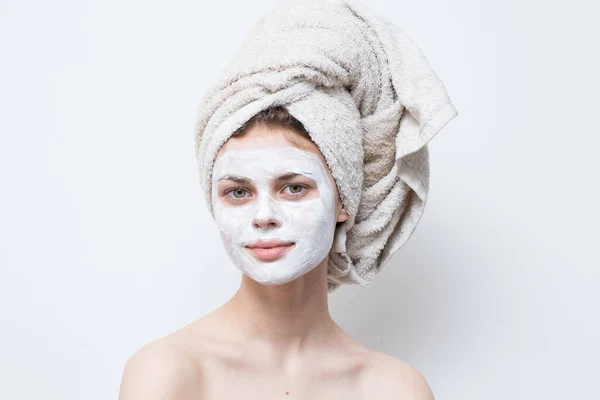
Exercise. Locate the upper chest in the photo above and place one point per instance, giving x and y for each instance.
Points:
(325, 377)
(243, 385)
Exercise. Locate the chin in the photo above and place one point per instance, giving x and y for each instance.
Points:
(281, 279)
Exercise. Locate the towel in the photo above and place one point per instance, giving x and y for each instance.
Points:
(370, 101)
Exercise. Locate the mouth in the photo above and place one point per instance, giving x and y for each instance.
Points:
(269, 250)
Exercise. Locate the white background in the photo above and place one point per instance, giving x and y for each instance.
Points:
(106, 243)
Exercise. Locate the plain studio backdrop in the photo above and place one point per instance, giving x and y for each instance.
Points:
(106, 243)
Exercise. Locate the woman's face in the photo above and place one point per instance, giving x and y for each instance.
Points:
(275, 204)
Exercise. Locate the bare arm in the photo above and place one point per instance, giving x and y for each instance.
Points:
(156, 372)
(392, 379)
(414, 387)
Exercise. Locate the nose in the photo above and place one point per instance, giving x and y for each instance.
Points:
(265, 223)
(266, 216)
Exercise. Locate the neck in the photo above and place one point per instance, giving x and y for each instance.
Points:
(287, 318)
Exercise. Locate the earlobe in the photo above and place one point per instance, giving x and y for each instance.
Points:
(343, 215)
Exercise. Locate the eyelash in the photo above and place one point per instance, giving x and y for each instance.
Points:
(238, 199)
(232, 198)
(304, 187)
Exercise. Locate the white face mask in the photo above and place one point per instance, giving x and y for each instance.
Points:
(266, 209)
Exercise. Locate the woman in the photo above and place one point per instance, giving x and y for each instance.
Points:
(314, 166)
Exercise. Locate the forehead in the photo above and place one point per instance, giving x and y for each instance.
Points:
(269, 160)
(270, 147)
(266, 136)
(262, 143)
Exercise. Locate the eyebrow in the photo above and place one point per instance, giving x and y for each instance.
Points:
(278, 178)
(288, 175)
(234, 178)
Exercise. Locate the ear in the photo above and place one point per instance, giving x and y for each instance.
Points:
(343, 215)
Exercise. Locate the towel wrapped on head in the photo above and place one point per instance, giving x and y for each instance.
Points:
(370, 101)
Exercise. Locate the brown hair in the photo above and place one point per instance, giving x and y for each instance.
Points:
(277, 116)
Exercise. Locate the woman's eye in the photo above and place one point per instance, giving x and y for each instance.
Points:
(236, 193)
(295, 188)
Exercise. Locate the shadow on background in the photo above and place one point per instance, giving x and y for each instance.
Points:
(415, 309)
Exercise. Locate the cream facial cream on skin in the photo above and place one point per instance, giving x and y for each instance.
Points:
(275, 210)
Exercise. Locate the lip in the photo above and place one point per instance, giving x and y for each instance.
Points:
(269, 250)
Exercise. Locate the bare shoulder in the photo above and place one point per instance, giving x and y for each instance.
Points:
(161, 369)
(172, 366)
(387, 377)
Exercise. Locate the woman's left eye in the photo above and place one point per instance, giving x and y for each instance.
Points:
(295, 188)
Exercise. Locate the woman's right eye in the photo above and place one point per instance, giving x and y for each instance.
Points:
(236, 194)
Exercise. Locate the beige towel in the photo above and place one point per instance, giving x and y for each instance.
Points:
(370, 101)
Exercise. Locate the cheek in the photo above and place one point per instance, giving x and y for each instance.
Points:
(308, 215)
(231, 220)
(227, 240)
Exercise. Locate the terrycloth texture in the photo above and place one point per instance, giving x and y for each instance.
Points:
(370, 101)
